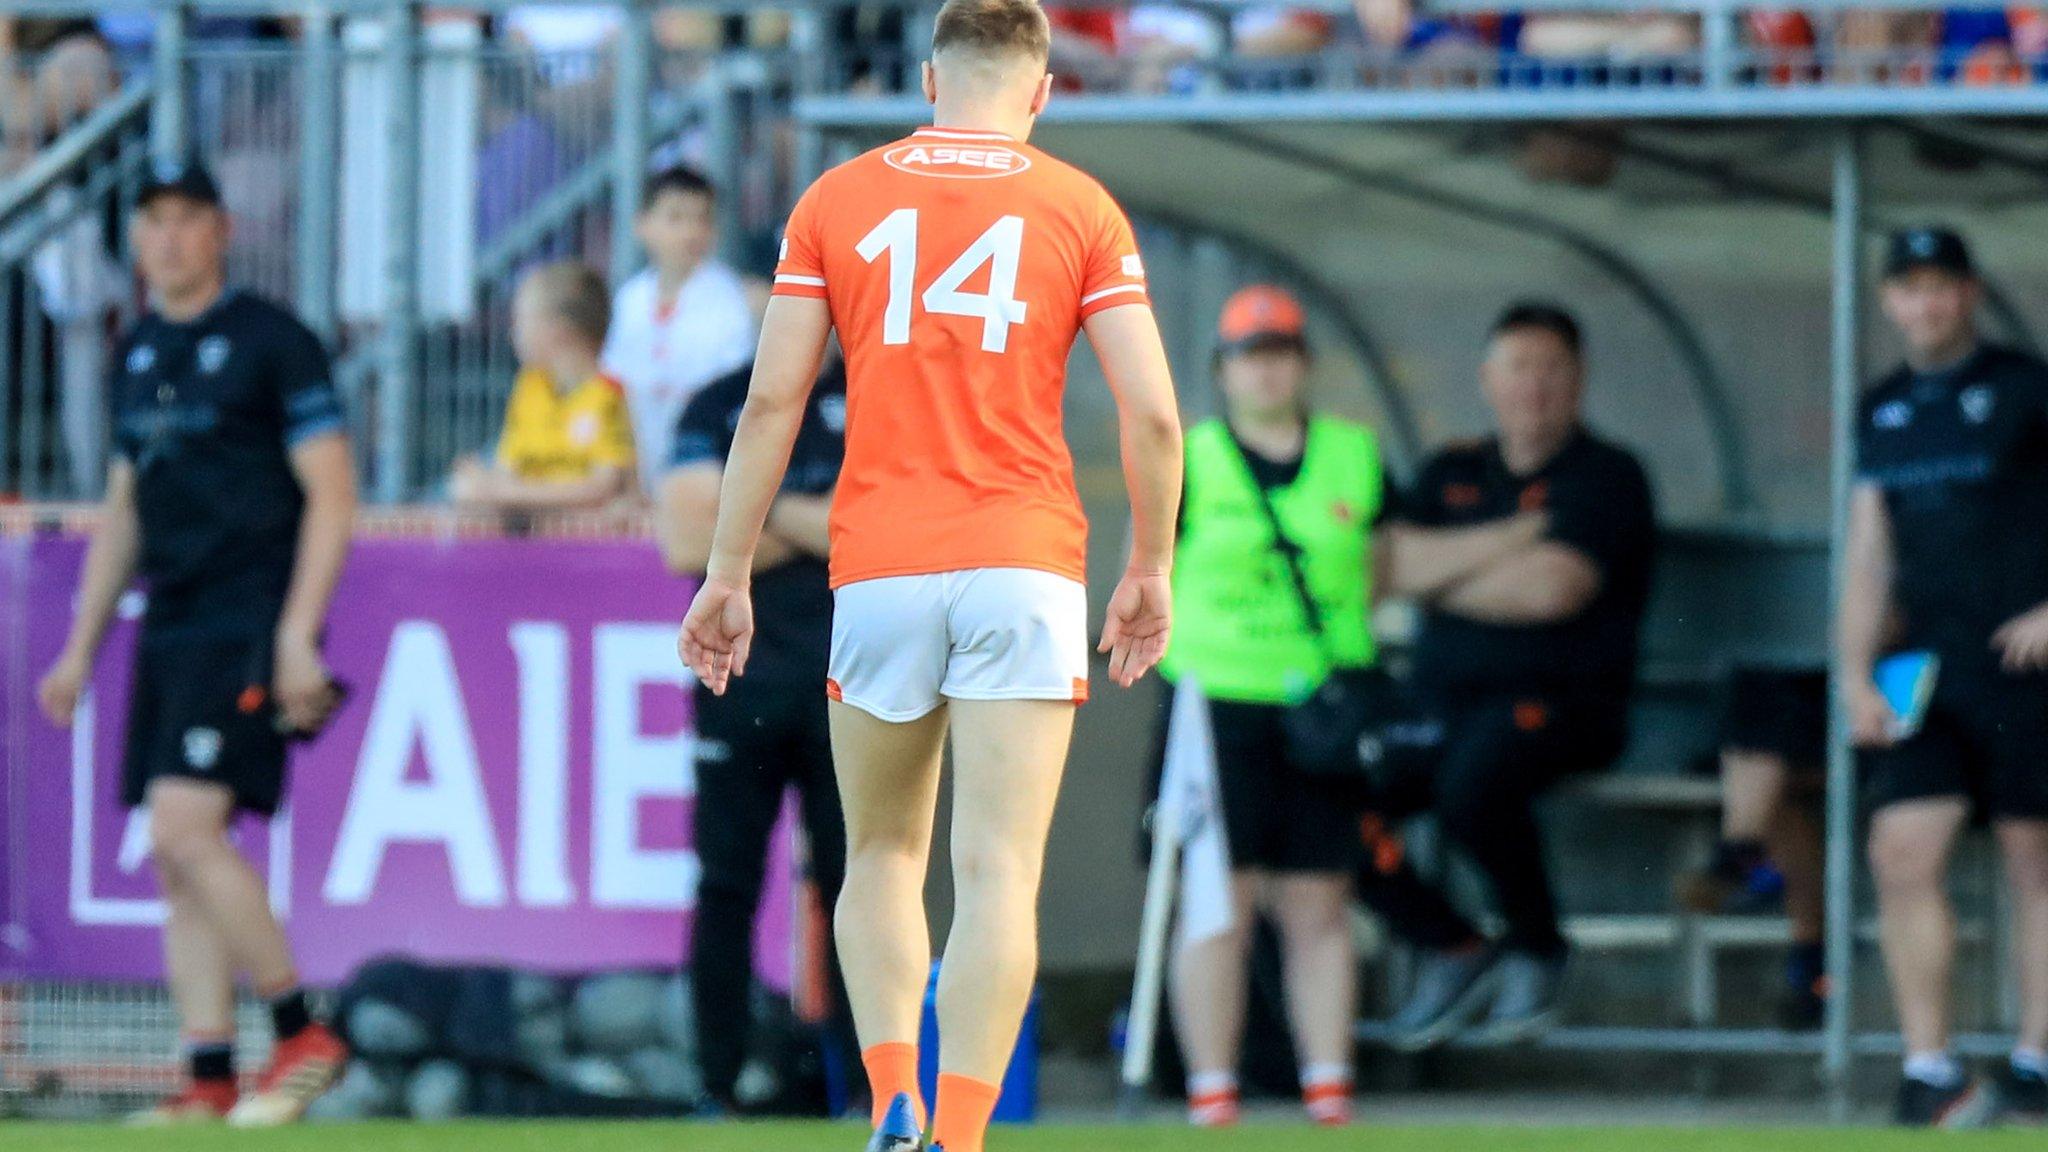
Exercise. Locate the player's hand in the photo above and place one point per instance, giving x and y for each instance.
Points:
(303, 687)
(1872, 723)
(717, 633)
(1136, 627)
(2023, 642)
(61, 687)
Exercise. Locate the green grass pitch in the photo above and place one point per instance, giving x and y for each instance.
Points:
(565, 1137)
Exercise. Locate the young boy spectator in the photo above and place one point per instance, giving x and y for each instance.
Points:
(568, 439)
(683, 321)
(1773, 757)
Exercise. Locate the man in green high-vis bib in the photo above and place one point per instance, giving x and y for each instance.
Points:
(1242, 635)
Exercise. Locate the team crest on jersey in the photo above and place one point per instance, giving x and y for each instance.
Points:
(957, 162)
(202, 748)
(832, 413)
(141, 358)
(1893, 416)
(1978, 401)
(213, 352)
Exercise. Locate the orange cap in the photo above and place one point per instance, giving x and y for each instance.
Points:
(1261, 312)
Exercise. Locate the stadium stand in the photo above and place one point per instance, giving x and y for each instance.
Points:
(1699, 182)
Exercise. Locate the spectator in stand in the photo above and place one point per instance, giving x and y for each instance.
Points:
(53, 72)
(1948, 556)
(681, 322)
(1773, 760)
(1883, 47)
(1596, 50)
(568, 439)
(1435, 49)
(1530, 660)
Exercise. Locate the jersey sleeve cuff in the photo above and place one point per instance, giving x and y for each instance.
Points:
(798, 284)
(1114, 296)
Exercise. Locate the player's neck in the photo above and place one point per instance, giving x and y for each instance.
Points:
(1277, 436)
(568, 371)
(976, 116)
(190, 303)
(668, 282)
(1944, 356)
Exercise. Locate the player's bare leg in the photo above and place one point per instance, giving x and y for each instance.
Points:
(1313, 913)
(1909, 852)
(889, 785)
(1008, 758)
(188, 839)
(2024, 846)
(1210, 981)
(189, 843)
(202, 985)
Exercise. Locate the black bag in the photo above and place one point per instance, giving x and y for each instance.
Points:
(1361, 724)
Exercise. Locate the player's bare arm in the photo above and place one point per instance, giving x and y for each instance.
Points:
(109, 566)
(495, 488)
(326, 473)
(720, 624)
(1421, 563)
(1139, 621)
(1862, 618)
(688, 518)
(1540, 584)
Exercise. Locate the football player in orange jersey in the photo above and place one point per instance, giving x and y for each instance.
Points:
(957, 267)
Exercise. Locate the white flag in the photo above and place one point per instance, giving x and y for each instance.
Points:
(1190, 800)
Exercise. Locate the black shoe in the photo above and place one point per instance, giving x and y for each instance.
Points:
(1803, 1009)
(1528, 999)
(1964, 1104)
(1450, 989)
(1739, 882)
(899, 1131)
(2022, 1096)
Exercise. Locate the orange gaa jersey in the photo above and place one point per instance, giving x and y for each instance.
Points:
(959, 267)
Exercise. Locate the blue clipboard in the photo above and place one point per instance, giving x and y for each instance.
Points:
(1907, 682)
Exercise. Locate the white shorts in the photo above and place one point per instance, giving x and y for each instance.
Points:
(903, 645)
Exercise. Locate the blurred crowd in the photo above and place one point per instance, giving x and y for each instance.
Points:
(54, 70)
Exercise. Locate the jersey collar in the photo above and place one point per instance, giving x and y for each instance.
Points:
(963, 134)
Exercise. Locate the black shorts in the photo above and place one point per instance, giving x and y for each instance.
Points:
(1985, 741)
(201, 711)
(1278, 818)
(1781, 712)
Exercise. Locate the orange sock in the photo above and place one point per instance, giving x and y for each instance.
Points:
(892, 1071)
(965, 1104)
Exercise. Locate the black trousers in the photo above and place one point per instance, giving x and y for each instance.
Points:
(1503, 752)
(755, 742)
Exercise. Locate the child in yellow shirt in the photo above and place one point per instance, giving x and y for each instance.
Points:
(567, 444)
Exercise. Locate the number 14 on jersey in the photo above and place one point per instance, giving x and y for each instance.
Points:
(1001, 248)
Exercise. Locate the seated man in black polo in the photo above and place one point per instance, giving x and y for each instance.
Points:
(1530, 660)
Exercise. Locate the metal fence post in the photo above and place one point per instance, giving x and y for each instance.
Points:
(814, 63)
(169, 113)
(726, 157)
(634, 86)
(319, 171)
(1838, 1062)
(398, 388)
(1720, 41)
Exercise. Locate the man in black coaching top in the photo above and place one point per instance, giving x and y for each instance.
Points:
(1948, 554)
(1531, 660)
(768, 732)
(231, 492)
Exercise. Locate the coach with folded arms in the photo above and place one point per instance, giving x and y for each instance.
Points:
(1948, 557)
(231, 493)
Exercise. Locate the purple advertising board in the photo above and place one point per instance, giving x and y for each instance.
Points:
(510, 782)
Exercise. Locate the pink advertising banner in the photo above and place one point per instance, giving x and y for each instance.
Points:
(510, 782)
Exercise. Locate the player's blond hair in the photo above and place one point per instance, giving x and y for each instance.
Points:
(575, 293)
(992, 28)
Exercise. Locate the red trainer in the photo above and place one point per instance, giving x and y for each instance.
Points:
(199, 1102)
(301, 1070)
